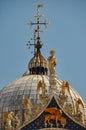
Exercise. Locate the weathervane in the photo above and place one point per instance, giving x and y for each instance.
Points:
(37, 43)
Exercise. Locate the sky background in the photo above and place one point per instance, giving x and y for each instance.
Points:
(66, 35)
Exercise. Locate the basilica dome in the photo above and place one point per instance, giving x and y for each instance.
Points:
(13, 95)
(39, 100)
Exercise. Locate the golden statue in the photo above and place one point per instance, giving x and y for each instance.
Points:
(54, 114)
(9, 120)
(65, 86)
(42, 86)
(52, 63)
(66, 90)
(27, 106)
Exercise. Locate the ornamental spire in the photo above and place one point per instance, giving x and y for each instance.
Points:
(36, 21)
(38, 64)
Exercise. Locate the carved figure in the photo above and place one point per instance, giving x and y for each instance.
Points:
(56, 116)
(41, 86)
(65, 86)
(17, 121)
(9, 120)
(27, 106)
(78, 103)
(52, 63)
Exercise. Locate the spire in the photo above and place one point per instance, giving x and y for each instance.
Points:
(38, 64)
(37, 42)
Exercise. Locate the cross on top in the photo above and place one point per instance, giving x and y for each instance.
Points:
(38, 22)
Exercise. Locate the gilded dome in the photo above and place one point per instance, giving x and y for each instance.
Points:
(38, 64)
(26, 87)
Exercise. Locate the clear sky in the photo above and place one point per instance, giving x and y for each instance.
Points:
(66, 35)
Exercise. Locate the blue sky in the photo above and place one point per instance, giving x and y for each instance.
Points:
(66, 35)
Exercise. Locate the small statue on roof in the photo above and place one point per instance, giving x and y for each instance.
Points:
(52, 63)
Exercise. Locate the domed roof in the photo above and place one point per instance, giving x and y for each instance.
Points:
(12, 95)
(26, 87)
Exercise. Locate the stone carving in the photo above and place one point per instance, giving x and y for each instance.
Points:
(63, 99)
(68, 108)
(78, 103)
(42, 87)
(52, 63)
(27, 104)
(10, 121)
(79, 114)
(17, 121)
(27, 107)
(65, 92)
(10, 118)
(65, 86)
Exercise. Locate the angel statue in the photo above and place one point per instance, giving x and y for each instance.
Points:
(27, 106)
(52, 63)
(41, 87)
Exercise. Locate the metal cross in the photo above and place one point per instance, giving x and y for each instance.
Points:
(38, 23)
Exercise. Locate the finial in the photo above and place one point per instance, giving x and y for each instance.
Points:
(37, 42)
(38, 21)
(38, 64)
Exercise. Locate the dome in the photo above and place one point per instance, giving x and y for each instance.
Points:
(12, 95)
(38, 64)
(41, 101)
(15, 93)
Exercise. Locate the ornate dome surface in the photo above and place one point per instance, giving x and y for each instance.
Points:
(26, 87)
